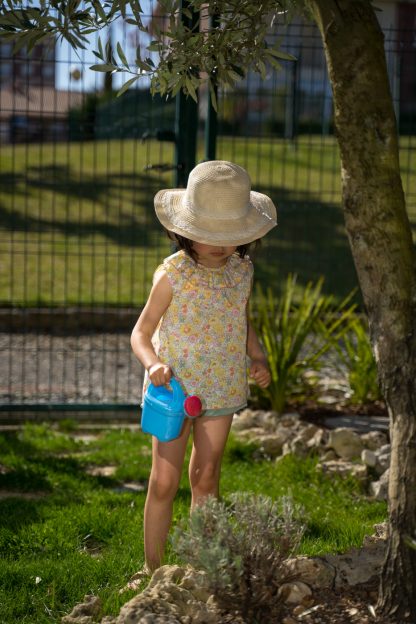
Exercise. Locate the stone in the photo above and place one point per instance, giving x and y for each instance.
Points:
(250, 435)
(299, 610)
(290, 419)
(270, 420)
(174, 595)
(306, 433)
(295, 447)
(329, 455)
(101, 471)
(84, 612)
(246, 419)
(318, 439)
(346, 443)
(379, 489)
(271, 444)
(383, 463)
(384, 450)
(167, 574)
(343, 468)
(314, 571)
(359, 565)
(369, 458)
(373, 440)
(294, 593)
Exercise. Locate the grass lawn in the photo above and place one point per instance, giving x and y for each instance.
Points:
(65, 533)
(78, 226)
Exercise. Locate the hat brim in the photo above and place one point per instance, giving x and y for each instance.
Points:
(174, 214)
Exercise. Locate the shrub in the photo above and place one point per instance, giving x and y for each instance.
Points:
(296, 335)
(355, 353)
(241, 546)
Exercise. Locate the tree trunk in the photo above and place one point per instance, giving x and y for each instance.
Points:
(381, 243)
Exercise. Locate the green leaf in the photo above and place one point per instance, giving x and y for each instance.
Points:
(100, 48)
(153, 46)
(127, 85)
(122, 56)
(103, 68)
(213, 95)
(280, 54)
(191, 88)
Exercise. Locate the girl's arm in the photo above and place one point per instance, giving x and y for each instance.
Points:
(141, 337)
(259, 368)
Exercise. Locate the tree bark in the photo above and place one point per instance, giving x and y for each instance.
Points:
(381, 243)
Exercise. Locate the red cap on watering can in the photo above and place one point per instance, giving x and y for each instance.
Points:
(192, 406)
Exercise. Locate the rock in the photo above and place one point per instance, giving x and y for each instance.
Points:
(270, 421)
(369, 458)
(294, 593)
(346, 443)
(306, 433)
(315, 571)
(167, 574)
(380, 535)
(373, 440)
(196, 582)
(295, 447)
(108, 619)
(343, 468)
(319, 439)
(384, 450)
(383, 462)
(175, 595)
(379, 489)
(289, 420)
(247, 419)
(250, 435)
(329, 455)
(271, 444)
(358, 565)
(289, 620)
(84, 612)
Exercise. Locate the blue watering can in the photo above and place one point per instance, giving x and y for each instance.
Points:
(164, 410)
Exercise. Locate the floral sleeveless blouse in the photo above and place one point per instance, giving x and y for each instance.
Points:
(203, 334)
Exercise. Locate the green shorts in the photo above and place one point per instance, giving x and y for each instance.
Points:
(225, 411)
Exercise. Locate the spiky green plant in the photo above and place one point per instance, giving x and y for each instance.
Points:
(296, 334)
(355, 353)
(242, 547)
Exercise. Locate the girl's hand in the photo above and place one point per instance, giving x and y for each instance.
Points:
(259, 371)
(159, 374)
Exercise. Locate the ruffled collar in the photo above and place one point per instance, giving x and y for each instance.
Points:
(227, 276)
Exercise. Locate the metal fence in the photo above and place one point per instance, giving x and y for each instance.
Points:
(79, 239)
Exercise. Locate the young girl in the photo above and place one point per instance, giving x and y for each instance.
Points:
(194, 326)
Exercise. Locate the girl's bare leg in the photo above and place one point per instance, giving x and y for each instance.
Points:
(164, 480)
(210, 437)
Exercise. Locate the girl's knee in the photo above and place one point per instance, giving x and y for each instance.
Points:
(204, 480)
(163, 487)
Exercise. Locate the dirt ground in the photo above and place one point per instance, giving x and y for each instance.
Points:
(89, 368)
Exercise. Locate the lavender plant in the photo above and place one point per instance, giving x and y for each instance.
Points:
(242, 546)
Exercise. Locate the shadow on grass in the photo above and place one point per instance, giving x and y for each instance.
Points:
(310, 239)
(29, 471)
(126, 222)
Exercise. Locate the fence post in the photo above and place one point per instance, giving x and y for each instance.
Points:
(211, 122)
(186, 119)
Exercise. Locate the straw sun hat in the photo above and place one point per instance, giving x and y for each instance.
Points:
(218, 206)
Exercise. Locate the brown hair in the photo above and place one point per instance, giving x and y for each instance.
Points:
(186, 244)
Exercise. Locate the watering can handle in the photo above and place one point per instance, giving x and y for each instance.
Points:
(178, 393)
